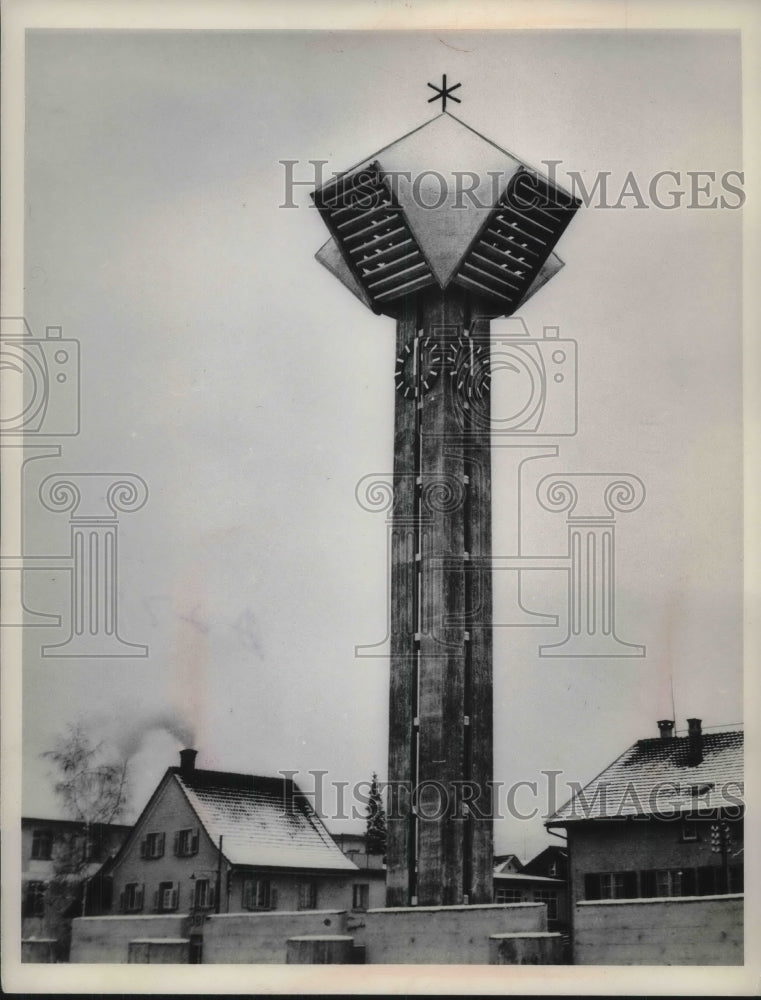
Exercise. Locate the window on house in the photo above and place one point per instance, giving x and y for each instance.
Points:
(550, 899)
(152, 845)
(308, 895)
(132, 898)
(186, 842)
(508, 896)
(34, 900)
(92, 850)
(42, 845)
(610, 885)
(669, 882)
(257, 894)
(203, 895)
(360, 896)
(689, 830)
(554, 869)
(167, 897)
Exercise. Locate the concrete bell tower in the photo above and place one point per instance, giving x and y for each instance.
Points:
(443, 231)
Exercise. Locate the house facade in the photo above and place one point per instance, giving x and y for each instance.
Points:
(543, 879)
(62, 876)
(662, 822)
(369, 888)
(219, 842)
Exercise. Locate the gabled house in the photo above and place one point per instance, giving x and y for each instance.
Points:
(507, 863)
(222, 842)
(369, 891)
(552, 862)
(663, 821)
(515, 882)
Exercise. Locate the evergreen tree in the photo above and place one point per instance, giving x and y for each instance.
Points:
(376, 820)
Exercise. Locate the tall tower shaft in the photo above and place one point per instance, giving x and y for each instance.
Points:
(440, 708)
(442, 265)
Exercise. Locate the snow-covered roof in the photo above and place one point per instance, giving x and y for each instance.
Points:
(264, 821)
(655, 776)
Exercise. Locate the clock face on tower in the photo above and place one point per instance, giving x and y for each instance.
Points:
(470, 369)
(418, 367)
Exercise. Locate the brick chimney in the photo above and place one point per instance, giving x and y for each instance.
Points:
(695, 746)
(188, 761)
(666, 728)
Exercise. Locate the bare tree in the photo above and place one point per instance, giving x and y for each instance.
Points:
(93, 790)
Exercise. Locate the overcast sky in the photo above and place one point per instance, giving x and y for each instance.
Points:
(251, 391)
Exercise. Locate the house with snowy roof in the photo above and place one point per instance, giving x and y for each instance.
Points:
(664, 821)
(538, 881)
(222, 842)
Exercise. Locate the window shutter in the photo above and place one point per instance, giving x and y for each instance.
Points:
(121, 902)
(647, 884)
(211, 899)
(272, 902)
(177, 842)
(143, 847)
(299, 896)
(737, 878)
(194, 842)
(591, 886)
(689, 882)
(706, 880)
(630, 885)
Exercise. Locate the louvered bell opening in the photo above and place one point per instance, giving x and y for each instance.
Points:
(364, 217)
(517, 239)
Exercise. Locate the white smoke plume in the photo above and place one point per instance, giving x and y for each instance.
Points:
(129, 741)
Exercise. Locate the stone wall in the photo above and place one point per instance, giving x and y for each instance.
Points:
(166, 951)
(452, 935)
(107, 939)
(419, 935)
(237, 938)
(700, 930)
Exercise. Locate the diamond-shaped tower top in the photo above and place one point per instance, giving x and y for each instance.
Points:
(443, 204)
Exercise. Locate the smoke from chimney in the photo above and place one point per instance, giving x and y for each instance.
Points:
(695, 746)
(130, 741)
(666, 728)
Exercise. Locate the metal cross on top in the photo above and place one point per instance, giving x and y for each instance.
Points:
(443, 92)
